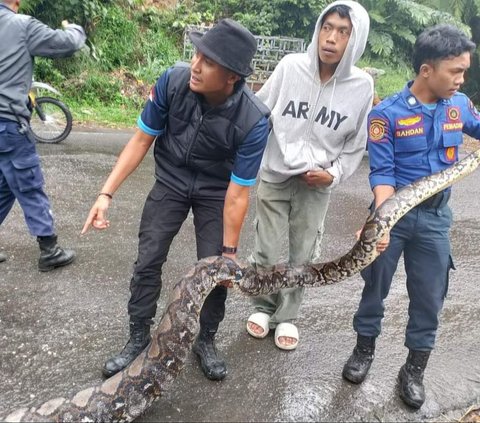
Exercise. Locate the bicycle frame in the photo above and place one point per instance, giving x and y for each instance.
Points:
(41, 85)
(32, 95)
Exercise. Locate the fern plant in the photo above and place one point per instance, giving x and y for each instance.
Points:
(395, 25)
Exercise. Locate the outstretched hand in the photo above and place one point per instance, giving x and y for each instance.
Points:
(98, 215)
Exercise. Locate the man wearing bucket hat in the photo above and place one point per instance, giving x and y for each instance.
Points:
(210, 133)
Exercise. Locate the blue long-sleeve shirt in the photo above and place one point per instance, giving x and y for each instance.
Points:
(408, 140)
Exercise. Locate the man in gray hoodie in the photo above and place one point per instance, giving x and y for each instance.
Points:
(319, 102)
(21, 178)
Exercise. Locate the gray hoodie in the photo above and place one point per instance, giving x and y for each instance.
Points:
(319, 125)
(22, 38)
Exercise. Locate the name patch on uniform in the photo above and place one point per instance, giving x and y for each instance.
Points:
(409, 126)
(454, 126)
(377, 129)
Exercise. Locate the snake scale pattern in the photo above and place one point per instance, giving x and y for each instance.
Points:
(129, 393)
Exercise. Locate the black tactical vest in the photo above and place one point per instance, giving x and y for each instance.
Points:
(195, 155)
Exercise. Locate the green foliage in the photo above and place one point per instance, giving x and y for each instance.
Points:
(129, 57)
(395, 25)
(130, 44)
(45, 70)
(158, 55)
(294, 18)
(28, 6)
(116, 40)
(84, 12)
(173, 21)
(97, 87)
(113, 115)
(381, 43)
(297, 17)
(393, 79)
(468, 11)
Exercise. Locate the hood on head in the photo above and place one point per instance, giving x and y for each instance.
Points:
(356, 44)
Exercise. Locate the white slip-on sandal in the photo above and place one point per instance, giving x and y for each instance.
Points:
(262, 320)
(288, 330)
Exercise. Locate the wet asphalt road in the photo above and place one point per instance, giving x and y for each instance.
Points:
(57, 328)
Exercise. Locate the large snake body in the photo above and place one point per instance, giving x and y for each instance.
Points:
(129, 393)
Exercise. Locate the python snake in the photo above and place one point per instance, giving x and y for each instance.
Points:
(129, 393)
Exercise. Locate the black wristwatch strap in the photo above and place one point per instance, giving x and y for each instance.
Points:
(229, 250)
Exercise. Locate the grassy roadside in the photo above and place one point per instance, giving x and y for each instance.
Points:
(123, 112)
(99, 115)
(108, 81)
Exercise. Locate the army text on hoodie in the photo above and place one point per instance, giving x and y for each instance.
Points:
(319, 125)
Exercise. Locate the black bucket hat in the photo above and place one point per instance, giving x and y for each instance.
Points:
(229, 44)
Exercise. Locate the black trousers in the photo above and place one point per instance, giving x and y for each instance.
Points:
(163, 215)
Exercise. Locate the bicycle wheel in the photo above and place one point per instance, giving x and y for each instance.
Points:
(51, 120)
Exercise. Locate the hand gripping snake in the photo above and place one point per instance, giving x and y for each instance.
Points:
(129, 393)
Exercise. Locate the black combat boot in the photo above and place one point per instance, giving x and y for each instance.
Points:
(51, 255)
(3, 257)
(139, 339)
(358, 365)
(204, 346)
(410, 377)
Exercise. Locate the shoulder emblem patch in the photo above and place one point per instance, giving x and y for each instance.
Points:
(453, 114)
(473, 110)
(377, 129)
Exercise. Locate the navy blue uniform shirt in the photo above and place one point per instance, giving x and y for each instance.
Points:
(408, 140)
